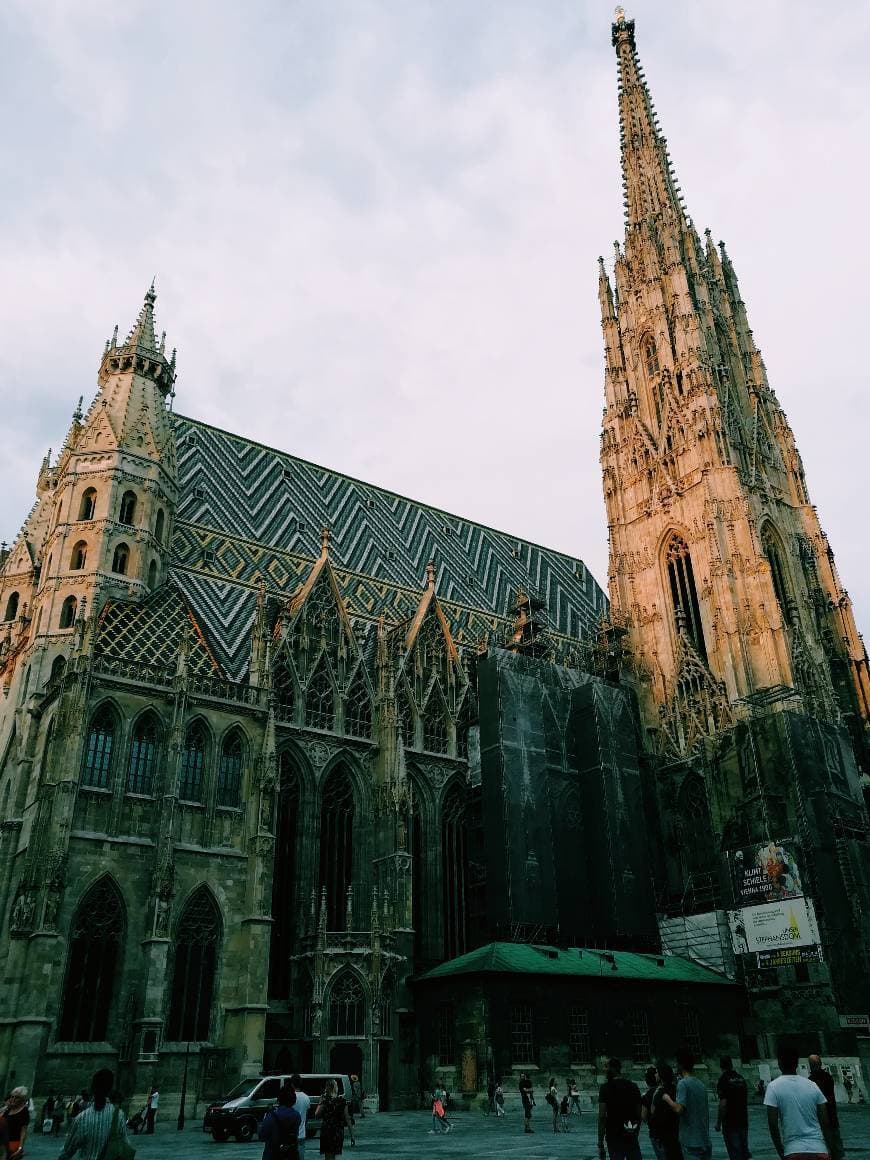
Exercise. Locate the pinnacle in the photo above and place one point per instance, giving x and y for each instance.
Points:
(142, 337)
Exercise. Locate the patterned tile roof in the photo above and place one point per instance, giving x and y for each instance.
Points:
(248, 512)
(148, 635)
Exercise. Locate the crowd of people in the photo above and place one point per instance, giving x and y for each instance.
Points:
(283, 1129)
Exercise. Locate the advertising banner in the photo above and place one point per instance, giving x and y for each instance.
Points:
(773, 926)
(766, 873)
(789, 956)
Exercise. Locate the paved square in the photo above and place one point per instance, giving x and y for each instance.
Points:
(404, 1136)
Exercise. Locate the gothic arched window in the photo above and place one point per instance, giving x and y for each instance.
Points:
(98, 749)
(358, 709)
(229, 782)
(68, 612)
(454, 861)
(336, 843)
(197, 937)
(435, 728)
(651, 356)
(96, 935)
(58, 665)
(285, 691)
(159, 525)
(88, 504)
(127, 513)
(320, 701)
(193, 764)
(11, 606)
(347, 1007)
(143, 756)
(285, 904)
(684, 595)
(152, 574)
(78, 556)
(121, 559)
(773, 550)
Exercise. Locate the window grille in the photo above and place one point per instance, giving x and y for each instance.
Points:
(641, 1049)
(229, 783)
(320, 701)
(347, 1013)
(435, 730)
(684, 595)
(98, 750)
(406, 721)
(446, 1035)
(522, 1037)
(197, 938)
(336, 844)
(454, 856)
(143, 757)
(358, 710)
(578, 1035)
(192, 765)
(95, 941)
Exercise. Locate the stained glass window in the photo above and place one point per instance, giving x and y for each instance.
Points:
(98, 749)
(94, 948)
(197, 938)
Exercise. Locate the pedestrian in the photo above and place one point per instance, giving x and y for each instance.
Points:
(47, 1112)
(664, 1123)
(499, 1099)
(732, 1119)
(797, 1113)
(619, 1115)
(849, 1085)
(563, 1114)
(57, 1114)
(574, 1098)
(650, 1077)
(96, 1122)
(279, 1128)
(357, 1096)
(302, 1106)
(552, 1098)
(692, 1107)
(17, 1116)
(151, 1108)
(824, 1081)
(527, 1096)
(334, 1112)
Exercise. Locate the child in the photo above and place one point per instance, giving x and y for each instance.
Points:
(563, 1114)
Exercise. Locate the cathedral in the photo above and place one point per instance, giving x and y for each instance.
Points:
(296, 773)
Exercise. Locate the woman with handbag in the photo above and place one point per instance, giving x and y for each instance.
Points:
(334, 1112)
(279, 1130)
(100, 1131)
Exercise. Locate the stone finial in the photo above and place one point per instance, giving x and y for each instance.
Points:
(325, 537)
(77, 413)
(430, 574)
(348, 910)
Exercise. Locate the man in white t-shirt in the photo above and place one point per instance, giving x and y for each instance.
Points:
(303, 1103)
(797, 1114)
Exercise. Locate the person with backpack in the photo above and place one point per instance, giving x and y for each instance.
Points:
(619, 1115)
(99, 1131)
(663, 1122)
(279, 1129)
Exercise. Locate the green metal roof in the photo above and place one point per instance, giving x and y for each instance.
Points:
(502, 958)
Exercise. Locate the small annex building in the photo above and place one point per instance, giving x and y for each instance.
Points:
(506, 1008)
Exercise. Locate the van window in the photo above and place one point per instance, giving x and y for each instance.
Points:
(313, 1085)
(243, 1089)
(268, 1090)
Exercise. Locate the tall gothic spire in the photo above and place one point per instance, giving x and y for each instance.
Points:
(650, 188)
(142, 337)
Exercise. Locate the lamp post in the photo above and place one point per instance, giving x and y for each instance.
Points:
(183, 1089)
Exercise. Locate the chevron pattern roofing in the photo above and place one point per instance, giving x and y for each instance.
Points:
(248, 512)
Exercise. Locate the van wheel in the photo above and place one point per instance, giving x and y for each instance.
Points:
(219, 1135)
(246, 1131)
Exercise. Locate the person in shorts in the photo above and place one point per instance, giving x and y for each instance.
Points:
(797, 1113)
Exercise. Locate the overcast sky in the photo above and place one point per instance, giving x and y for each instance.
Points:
(375, 224)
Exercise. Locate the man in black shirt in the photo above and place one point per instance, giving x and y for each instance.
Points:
(528, 1098)
(619, 1112)
(823, 1079)
(733, 1118)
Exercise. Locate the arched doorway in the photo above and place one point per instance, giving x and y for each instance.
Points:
(347, 1059)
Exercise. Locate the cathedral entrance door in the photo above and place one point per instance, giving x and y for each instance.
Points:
(346, 1059)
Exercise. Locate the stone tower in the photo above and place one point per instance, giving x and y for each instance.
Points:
(752, 678)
